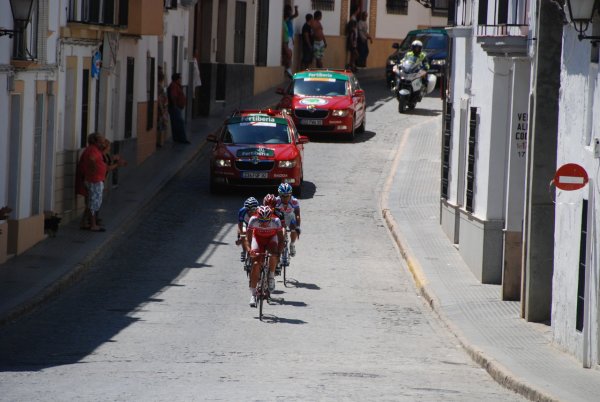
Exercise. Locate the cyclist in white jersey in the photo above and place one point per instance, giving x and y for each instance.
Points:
(290, 208)
(244, 215)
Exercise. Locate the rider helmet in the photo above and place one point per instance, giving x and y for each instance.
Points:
(269, 200)
(417, 44)
(284, 189)
(264, 213)
(251, 203)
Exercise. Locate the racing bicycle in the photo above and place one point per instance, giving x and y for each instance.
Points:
(262, 286)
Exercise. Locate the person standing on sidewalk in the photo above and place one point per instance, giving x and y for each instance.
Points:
(319, 42)
(177, 102)
(163, 110)
(307, 43)
(94, 173)
(363, 39)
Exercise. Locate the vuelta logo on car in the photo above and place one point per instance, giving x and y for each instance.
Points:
(314, 101)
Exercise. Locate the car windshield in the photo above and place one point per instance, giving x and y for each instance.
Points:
(256, 133)
(431, 41)
(319, 87)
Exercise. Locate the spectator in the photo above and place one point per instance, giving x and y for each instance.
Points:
(289, 22)
(307, 43)
(319, 42)
(363, 39)
(94, 173)
(351, 44)
(163, 110)
(177, 101)
(80, 188)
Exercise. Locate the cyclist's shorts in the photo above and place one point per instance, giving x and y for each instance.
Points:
(260, 243)
(290, 220)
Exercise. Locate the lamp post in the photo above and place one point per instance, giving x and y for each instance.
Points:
(581, 13)
(21, 10)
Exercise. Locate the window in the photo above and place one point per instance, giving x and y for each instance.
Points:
(36, 182)
(471, 160)
(100, 12)
(262, 32)
(440, 7)
(446, 144)
(239, 36)
(483, 12)
(582, 261)
(150, 92)
(396, 6)
(170, 4)
(85, 106)
(323, 5)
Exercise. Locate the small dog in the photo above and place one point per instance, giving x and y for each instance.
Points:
(51, 225)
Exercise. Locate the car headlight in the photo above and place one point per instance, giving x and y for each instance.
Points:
(287, 164)
(439, 62)
(223, 162)
(340, 113)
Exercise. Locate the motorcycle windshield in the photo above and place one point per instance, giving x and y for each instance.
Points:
(409, 65)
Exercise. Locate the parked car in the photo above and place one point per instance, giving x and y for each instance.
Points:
(435, 45)
(257, 148)
(325, 101)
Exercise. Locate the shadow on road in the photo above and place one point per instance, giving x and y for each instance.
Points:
(273, 319)
(295, 284)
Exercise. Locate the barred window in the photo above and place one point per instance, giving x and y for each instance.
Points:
(323, 5)
(396, 6)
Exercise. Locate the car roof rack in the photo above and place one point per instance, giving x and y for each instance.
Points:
(344, 70)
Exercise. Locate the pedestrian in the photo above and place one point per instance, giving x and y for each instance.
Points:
(177, 101)
(307, 43)
(162, 123)
(289, 21)
(351, 45)
(94, 173)
(319, 42)
(363, 39)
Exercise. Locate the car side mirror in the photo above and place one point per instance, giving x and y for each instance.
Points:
(396, 45)
(359, 92)
(211, 138)
(280, 91)
(303, 139)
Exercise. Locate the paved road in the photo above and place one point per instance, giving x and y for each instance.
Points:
(164, 316)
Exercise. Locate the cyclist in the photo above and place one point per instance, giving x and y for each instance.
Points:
(290, 207)
(271, 201)
(265, 233)
(244, 215)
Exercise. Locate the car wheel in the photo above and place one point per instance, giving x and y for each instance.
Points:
(213, 187)
(351, 133)
(363, 125)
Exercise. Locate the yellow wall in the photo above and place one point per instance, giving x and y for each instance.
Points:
(267, 77)
(25, 233)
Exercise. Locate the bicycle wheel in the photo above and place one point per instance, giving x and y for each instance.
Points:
(264, 285)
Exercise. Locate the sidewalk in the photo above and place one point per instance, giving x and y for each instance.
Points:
(516, 353)
(43, 271)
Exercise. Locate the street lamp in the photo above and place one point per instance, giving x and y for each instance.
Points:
(581, 13)
(21, 10)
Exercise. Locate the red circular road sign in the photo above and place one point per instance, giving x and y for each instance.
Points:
(570, 177)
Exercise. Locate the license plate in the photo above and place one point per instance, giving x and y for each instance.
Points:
(255, 175)
(311, 122)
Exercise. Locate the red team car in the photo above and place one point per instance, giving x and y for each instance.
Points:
(257, 148)
(325, 101)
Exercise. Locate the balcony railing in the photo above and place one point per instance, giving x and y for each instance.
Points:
(509, 18)
(503, 30)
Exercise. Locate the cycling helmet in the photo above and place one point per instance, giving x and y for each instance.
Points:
(416, 44)
(269, 200)
(264, 213)
(284, 189)
(251, 203)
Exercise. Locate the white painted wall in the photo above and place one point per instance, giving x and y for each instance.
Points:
(275, 33)
(176, 23)
(394, 26)
(573, 134)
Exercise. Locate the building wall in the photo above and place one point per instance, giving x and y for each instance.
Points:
(580, 96)
(394, 26)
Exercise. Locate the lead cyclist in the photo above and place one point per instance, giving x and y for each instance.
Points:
(290, 208)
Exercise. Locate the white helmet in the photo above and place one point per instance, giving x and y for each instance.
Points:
(416, 43)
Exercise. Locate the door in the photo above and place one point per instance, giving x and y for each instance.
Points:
(239, 40)
(129, 97)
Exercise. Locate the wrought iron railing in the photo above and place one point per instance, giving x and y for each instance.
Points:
(510, 18)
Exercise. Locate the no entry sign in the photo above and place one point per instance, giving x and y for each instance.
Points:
(570, 177)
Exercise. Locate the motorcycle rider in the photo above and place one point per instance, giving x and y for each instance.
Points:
(420, 57)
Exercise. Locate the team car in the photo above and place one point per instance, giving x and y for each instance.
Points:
(325, 101)
(257, 148)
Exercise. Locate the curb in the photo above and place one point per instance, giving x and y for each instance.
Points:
(501, 374)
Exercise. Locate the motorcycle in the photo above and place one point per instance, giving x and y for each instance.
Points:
(410, 88)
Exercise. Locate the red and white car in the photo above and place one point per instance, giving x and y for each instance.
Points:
(257, 148)
(325, 101)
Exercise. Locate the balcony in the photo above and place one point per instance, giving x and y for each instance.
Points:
(503, 31)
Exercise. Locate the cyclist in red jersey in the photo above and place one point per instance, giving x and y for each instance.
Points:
(264, 233)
